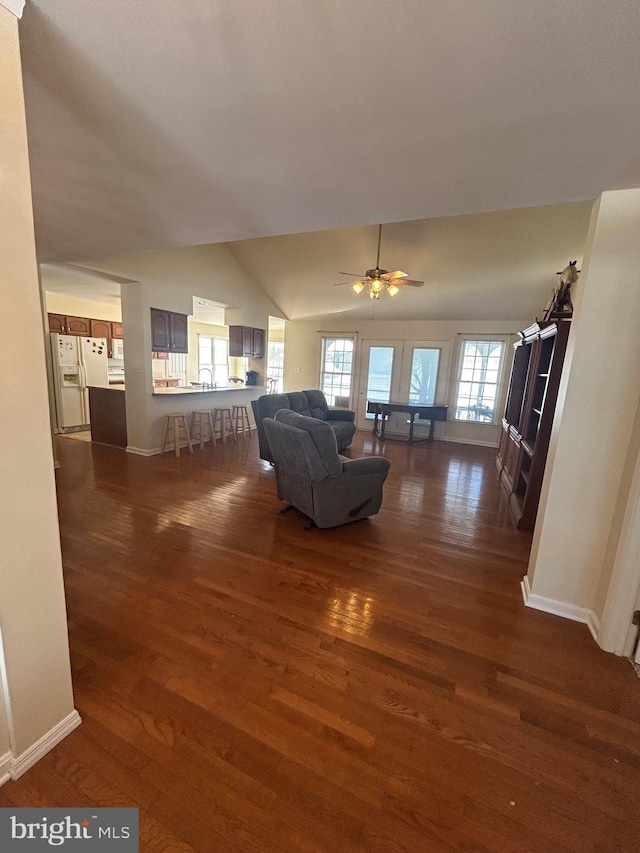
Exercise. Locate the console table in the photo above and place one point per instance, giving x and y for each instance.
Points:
(425, 413)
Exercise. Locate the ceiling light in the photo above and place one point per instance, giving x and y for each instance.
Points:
(375, 280)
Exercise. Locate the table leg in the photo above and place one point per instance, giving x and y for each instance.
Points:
(384, 421)
(432, 424)
(375, 423)
(410, 439)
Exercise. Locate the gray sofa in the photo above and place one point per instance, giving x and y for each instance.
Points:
(312, 476)
(311, 403)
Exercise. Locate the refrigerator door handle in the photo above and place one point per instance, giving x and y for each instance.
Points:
(84, 393)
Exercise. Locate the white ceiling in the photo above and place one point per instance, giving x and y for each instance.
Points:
(82, 283)
(156, 124)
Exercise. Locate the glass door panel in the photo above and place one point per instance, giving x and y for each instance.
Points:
(423, 376)
(380, 373)
(378, 377)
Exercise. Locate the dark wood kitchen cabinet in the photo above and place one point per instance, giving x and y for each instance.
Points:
(169, 331)
(116, 330)
(245, 341)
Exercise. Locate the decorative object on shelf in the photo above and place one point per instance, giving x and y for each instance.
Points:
(375, 280)
(560, 304)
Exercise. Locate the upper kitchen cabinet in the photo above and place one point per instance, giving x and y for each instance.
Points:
(79, 326)
(100, 329)
(258, 343)
(57, 323)
(179, 332)
(116, 330)
(245, 341)
(65, 325)
(169, 331)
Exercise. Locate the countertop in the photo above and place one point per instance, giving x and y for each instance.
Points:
(172, 392)
(187, 390)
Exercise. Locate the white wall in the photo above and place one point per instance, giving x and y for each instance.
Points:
(73, 306)
(584, 492)
(303, 341)
(34, 652)
(169, 279)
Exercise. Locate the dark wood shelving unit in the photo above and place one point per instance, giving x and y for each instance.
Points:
(526, 426)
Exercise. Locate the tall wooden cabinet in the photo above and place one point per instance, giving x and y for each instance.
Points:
(526, 426)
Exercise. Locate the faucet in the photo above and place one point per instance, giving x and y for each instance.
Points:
(206, 385)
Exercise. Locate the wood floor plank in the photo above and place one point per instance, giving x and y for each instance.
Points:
(253, 686)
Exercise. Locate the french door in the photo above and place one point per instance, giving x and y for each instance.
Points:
(403, 372)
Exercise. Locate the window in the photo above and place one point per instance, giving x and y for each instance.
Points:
(275, 364)
(213, 360)
(478, 380)
(336, 369)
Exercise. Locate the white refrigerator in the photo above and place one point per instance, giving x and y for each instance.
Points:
(77, 364)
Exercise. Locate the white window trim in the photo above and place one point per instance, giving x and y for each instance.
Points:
(211, 338)
(346, 336)
(504, 339)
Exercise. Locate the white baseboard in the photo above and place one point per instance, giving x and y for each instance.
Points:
(5, 768)
(560, 608)
(469, 441)
(21, 763)
(140, 451)
(156, 451)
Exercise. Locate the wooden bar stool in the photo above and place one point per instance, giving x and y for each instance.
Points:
(226, 423)
(201, 420)
(241, 422)
(175, 421)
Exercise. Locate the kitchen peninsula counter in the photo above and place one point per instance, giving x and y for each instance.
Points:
(185, 389)
(108, 415)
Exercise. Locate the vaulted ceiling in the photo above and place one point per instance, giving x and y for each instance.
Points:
(169, 124)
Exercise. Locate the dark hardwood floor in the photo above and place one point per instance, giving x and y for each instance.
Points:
(252, 686)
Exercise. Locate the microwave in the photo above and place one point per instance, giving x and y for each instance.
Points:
(117, 348)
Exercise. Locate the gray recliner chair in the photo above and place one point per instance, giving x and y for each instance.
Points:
(311, 475)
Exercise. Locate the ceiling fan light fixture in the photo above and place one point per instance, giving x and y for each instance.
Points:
(376, 280)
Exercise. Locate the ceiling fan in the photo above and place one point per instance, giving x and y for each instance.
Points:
(376, 279)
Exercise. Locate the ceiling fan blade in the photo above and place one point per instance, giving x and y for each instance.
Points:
(350, 283)
(351, 274)
(391, 276)
(410, 282)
